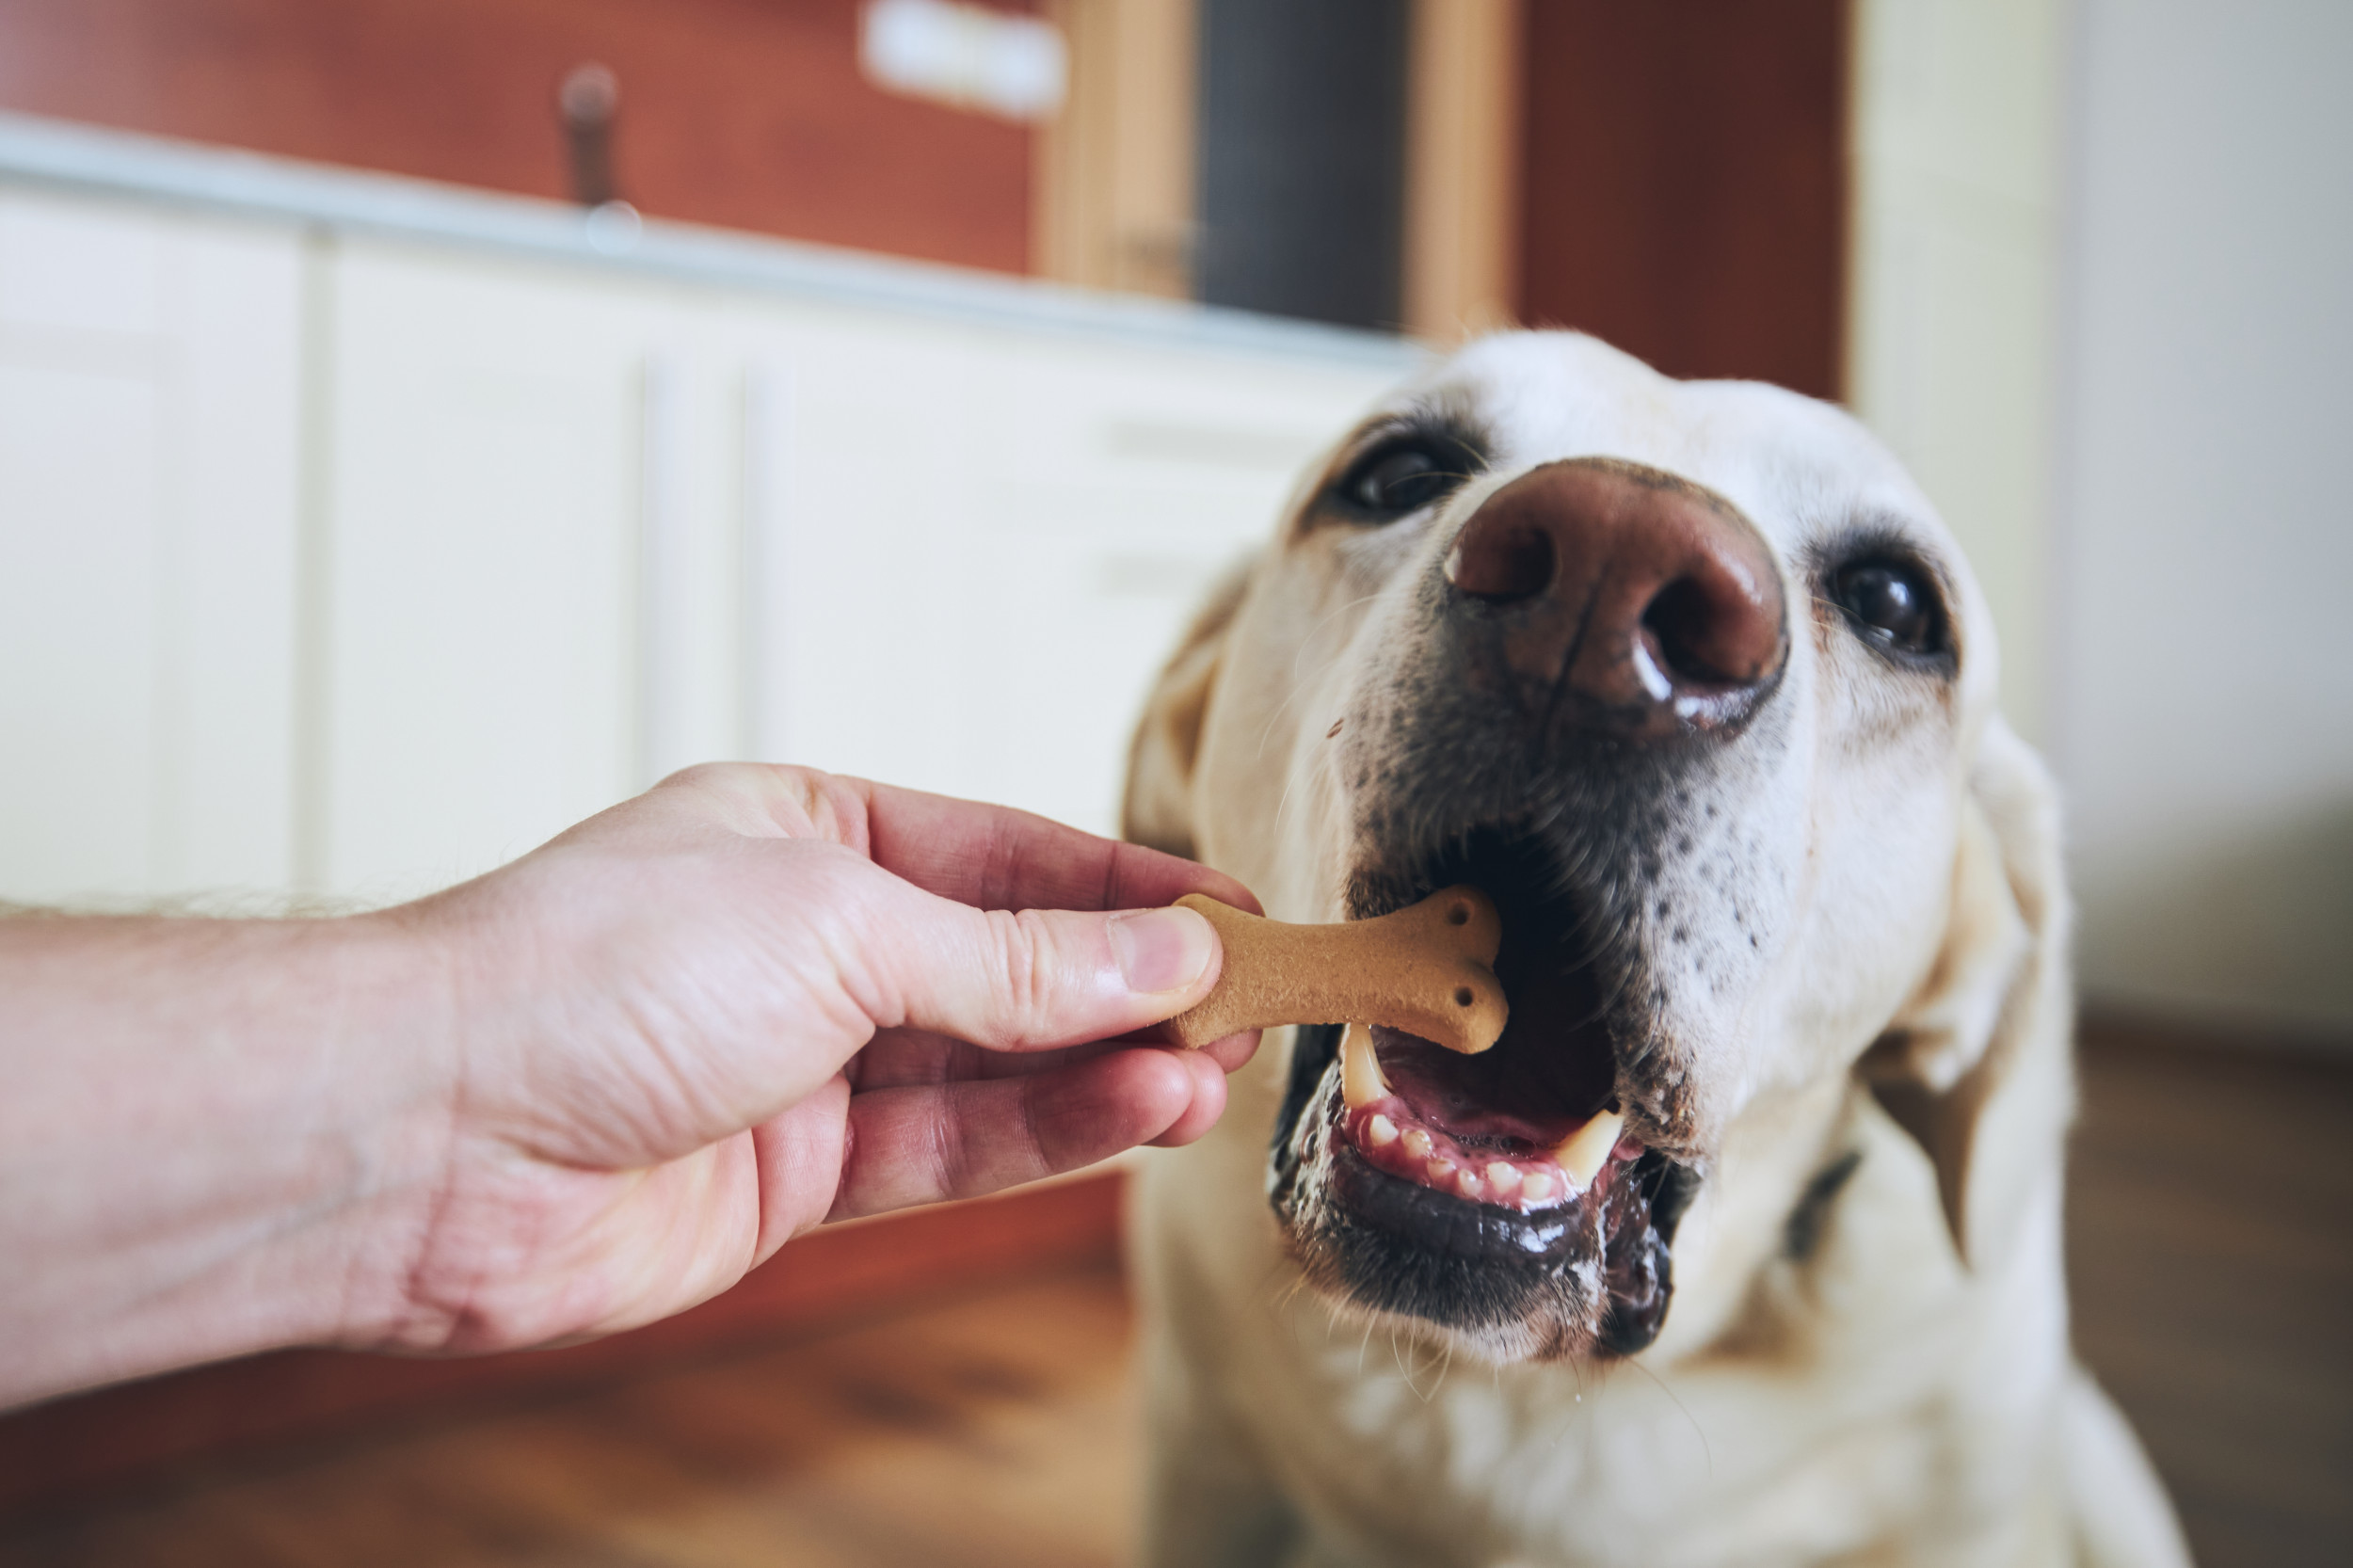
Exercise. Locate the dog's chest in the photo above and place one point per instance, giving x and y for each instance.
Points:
(1417, 1462)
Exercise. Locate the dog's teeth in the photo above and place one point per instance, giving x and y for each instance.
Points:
(1361, 1083)
(1583, 1153)
(1380, 1132)
(1440, 1170)
(1417, 1143)
(1504, 1177)
(1537, 1188)
(1466, 1182)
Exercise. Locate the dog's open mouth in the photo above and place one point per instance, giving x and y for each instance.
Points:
(1454, 1124)
(1503, 1192)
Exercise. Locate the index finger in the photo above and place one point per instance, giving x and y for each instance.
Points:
(996, 858)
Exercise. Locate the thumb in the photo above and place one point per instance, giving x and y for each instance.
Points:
(1042, 977)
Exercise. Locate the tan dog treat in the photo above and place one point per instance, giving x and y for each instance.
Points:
(1427, 968)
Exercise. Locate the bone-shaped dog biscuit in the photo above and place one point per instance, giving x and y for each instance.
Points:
(1427, 968)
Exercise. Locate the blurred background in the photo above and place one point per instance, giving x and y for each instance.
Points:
(425, 422)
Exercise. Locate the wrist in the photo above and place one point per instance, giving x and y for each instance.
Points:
(391, 1043)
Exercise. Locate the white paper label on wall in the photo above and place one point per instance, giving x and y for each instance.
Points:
(967, 57)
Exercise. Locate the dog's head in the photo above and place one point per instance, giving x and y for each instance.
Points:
(1690, 680)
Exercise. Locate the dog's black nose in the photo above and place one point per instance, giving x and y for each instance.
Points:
(1651, 598)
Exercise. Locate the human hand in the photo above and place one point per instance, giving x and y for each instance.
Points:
(754, 998)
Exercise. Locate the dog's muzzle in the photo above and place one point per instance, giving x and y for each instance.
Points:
(1601, 633)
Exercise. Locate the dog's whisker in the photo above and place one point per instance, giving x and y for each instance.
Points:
(1299, 689)
(1707, 1451)
(1289, 782)
(1300, 686)
(1317, 629)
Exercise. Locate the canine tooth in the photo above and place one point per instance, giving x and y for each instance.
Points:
(1380, 1132)
(1417, 1143)
(1503, 1177)
(1537, 1188)
(1361, 1082)
(1582, 1153)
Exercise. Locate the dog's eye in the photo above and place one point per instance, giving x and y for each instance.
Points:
(1402, 477)
(1891, 605)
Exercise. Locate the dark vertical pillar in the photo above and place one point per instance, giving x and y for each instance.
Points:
(1686, 183)
(1302, 157)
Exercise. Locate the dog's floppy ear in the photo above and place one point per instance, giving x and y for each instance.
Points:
(1977, 1058)
(1158, 809)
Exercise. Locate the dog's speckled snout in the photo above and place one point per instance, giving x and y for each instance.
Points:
(1606, 593)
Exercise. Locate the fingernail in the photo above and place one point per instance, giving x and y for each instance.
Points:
(1161, 950)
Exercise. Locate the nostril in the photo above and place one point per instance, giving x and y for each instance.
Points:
(1501, 565)
(1688, 628)
(1652, 603)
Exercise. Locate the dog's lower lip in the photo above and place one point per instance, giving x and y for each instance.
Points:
(1440, 1220)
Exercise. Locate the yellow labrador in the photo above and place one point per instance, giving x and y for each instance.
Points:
(1743, 1245)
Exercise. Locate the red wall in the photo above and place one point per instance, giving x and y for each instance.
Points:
(746, 113)
(1685, 182)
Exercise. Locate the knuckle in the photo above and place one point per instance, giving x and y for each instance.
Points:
(1023, 948)
(950, 1156)
(1027, 1142)
(697, 776)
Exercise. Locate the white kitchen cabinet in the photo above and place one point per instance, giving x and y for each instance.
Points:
(859, 539)
(1959, 134)
(1114, 489)
(349, 556)
(586, 530)
(984, 543)
(148, 366)
(485, 468)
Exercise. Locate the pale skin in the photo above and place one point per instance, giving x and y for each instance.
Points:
(583, 1092)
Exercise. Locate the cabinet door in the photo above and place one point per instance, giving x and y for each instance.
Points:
(859, 555)
(1959, 144)
(492, 427)
(972, 547)
(149, 422)
(1115, 486)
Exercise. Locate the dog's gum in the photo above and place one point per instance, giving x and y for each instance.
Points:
(1387, 1136)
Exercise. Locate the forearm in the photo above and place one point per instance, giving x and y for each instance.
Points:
(582, 1092)
(215, 1137)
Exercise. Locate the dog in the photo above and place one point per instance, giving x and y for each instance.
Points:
(1691, 680)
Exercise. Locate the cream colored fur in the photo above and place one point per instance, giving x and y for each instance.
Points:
(1903, 1393)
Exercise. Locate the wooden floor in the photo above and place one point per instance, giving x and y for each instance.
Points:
(991, 1431)
(2211, 1236)
(2210, 1240)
